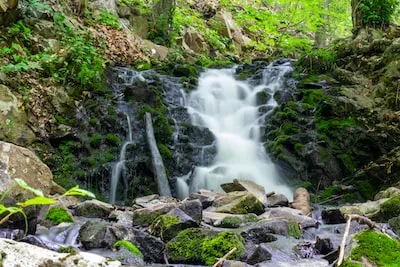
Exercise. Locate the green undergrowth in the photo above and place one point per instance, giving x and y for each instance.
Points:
(377, 248)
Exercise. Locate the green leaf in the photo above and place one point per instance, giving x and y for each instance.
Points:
(24, 185)
(37, 201)
(76, 191)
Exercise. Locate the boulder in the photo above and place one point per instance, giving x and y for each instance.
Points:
(108, 5)
(145, 216)
(13, 121)
(206, 197)
(369, 208)
(298, 263)
(246, 185)
(207, 8)
(222, 219)
(122, 217)
(229, 263)
(274, 226)
(168, 226)
(390, 208)
(290, 215)
(395, 224)
(238, 203)
(388, 193)
(93, 209)
(193, 208)
(324, 245)
(301, 201)
(258, 235)
(151, 247)
(96, 234)
(277, 200)
(157, 51)
(260, 254)
(19, 162)
(24, 254)
(8, 11)
(193, 42)
(14, 234)
(332, 216)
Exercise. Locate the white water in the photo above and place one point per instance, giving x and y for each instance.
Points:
(118, 168)
(228, 108)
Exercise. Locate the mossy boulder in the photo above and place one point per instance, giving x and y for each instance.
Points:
(199, 246)
(230, 222)
(239, 203)
(57, 215)
(377, 248)
(167, 226)
(390, 208)
(395, 224)
(93, 209)
(129, 246)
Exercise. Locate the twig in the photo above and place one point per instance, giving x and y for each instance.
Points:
(343, 244)
(221, 260)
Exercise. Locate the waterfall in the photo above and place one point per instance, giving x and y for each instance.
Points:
(228, 108)
(119, 167)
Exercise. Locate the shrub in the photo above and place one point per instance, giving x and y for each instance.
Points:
(95, 140)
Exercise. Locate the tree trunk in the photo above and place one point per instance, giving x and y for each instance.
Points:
(356, 15)
(321, 34)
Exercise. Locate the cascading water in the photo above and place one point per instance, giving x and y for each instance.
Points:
(228, 108)
(118, 168)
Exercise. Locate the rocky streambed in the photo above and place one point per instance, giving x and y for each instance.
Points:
(157, 230)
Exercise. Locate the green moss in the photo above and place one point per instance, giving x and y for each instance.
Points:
(58, 215)
(231, 222)
(317, 61)
(251, 217)
(145, 219)
(215, 248)
(312, 96)
(294, 230)
(95, 140)
(243, 205)
(187, 246)
(390, 208)
(129, 246)
(329, 192)
(112, 139)
(377, 248)
(162, 223)
(165, 152)
(68, 249)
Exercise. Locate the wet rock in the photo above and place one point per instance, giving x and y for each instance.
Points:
(151, 247)
(323, 245)
(193, 208)
(14, 234)
(301, 201)
(390, 208)
(128, 258)
(222, 219)
(332, 216)
(229, 263)
(306, 250)
(238, 203)
(290, 215)
(260, 254)
(395, 224)
(145, 216)
(277, 200)
(24, 254)
(122, 217)
(206, 197)
(168, 226)
(298, 263)
(246, 185)
(388, 193)
(96, 234)
(152, 200)
(274, 226)
(258, 236)
(369, 208)
(93, 209)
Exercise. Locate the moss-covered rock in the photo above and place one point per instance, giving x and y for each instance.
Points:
(239, 203)
(395, 224)
(390, 208)
(230, 222)
(58, 215)
(200, 246)
(129, 246)
(294, 230)
(377, 248)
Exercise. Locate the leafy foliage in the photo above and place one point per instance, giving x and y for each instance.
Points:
(378, 12)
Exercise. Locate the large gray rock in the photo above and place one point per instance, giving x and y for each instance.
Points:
(206, 197)
(246, 185)
(24, 254)
(19, 162)
(369, 208)
(259, 229)
(13, 121)
(332, 216)
(168, 226)
(238, 203)
(151, 246)
(93, 209)
(193, 208)
(260, 254)
(277, 200)
(299, 263)
(290, 215)
(388, 193)
(96, 234)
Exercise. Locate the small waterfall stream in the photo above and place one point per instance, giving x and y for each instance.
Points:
(228, 108)
(118, 168)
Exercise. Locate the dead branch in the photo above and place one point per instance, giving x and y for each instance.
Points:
(221, 260)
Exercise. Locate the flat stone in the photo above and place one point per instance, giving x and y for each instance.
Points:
(24, 254)
(93, 209)
(290, 214)
(246, 185)
(277, 200)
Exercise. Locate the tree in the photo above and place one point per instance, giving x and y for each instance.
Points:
(372, 13)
